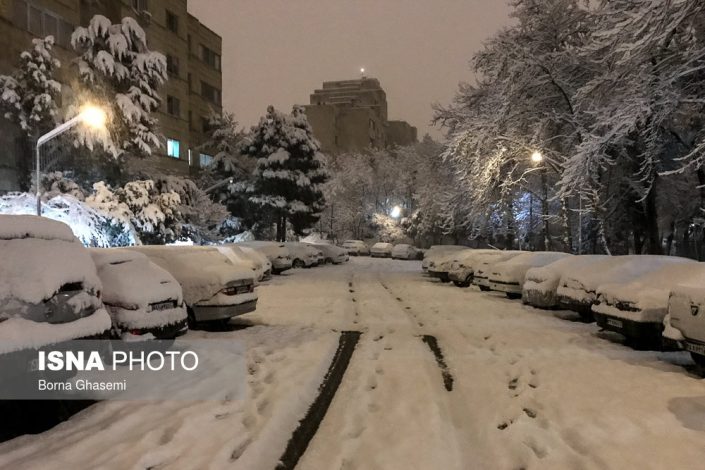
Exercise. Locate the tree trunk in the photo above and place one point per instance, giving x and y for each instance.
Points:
(653, 246)
(567, 232)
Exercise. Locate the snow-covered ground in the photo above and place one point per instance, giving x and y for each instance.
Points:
(531, 389)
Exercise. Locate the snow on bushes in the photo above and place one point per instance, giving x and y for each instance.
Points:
(90, 225)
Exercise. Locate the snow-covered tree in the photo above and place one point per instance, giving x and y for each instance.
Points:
(28, 97)
(119, 72)
(290, 170)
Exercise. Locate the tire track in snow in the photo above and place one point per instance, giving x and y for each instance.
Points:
(309, 424)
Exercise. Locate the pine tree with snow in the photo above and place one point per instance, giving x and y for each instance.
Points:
(28, 97)
(120, 73)
(290, 170)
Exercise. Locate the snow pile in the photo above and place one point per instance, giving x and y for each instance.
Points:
(646, 297)
(257, 257)
(541, 283)
(131, 282)
(90, 224)
(686, 307)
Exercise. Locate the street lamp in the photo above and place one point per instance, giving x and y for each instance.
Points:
(91, 116)
(396, 212)
(537, 157)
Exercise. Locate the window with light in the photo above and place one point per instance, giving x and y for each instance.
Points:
(172, 148)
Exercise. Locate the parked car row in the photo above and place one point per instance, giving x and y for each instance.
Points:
(53, 289)
(650, 300)
(382, 250)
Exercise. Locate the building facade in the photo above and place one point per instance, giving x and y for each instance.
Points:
(193, 54)
(351, 115)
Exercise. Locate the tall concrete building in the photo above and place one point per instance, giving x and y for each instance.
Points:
(193, 54)
(351, 115)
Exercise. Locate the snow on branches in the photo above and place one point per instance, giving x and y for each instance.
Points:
(119, 72)
(28, 96)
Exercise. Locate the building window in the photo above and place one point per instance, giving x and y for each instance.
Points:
(172, 65)
(205, 126)
(172, 148)
(172, 22)
(140, 5)
(35, 20)
(19, 13)
(42, 22)
(205, 160)
(210, 57)
(173, 106)
(210, 93)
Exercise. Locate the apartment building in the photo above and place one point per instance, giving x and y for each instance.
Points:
(193, 53)
(351, 115)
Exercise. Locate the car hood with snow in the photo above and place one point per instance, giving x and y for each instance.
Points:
(541, 283)
(580, 287)
(49, 288)
(203, 272)
(509, 274)
(645, 298)
(138, 293)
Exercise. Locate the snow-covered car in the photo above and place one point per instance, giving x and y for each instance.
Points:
(436, 251)
(540, 284)
(462, 266)
(261, 259)
(685, 322)
(332, 254)
(483, 265)
(404, 251)
(239, 258)
(49, 288)
(577, 290)
(142, 298)
(637, 309)
(356, 247)
(214, 289)
(303, 255)
(440, 265)
(508, 276)
(381, 250)
(276, 252)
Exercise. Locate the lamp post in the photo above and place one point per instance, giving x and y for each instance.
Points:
(396, 212)
(90, 115)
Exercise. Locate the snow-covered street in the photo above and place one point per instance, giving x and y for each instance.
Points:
(530, 389)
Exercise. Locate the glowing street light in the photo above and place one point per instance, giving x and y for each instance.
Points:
(90, 116)
(396, 212)
(536, 157)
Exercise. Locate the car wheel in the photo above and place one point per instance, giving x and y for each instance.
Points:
(461, 283)
(698, 359)
(329, 261)
(513, 295)
(298, 263)
(484, 288)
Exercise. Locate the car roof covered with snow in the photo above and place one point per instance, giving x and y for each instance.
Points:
(651, 289)
(552, 272)
(38, 256)
(616, 269)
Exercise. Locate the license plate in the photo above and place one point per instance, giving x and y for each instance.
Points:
(695, 348)
(162, 306)
(615, 323)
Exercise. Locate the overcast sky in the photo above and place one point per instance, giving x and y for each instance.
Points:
(278, 51)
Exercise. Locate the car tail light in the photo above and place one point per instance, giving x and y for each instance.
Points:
(135, 332)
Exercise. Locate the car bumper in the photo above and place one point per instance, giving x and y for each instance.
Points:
(481, 281)
(380, 255)
(538, 298)
(206, 313)
(509, 288)
(631, 329)
(442, 275)
(583, 307)
(164, 332)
